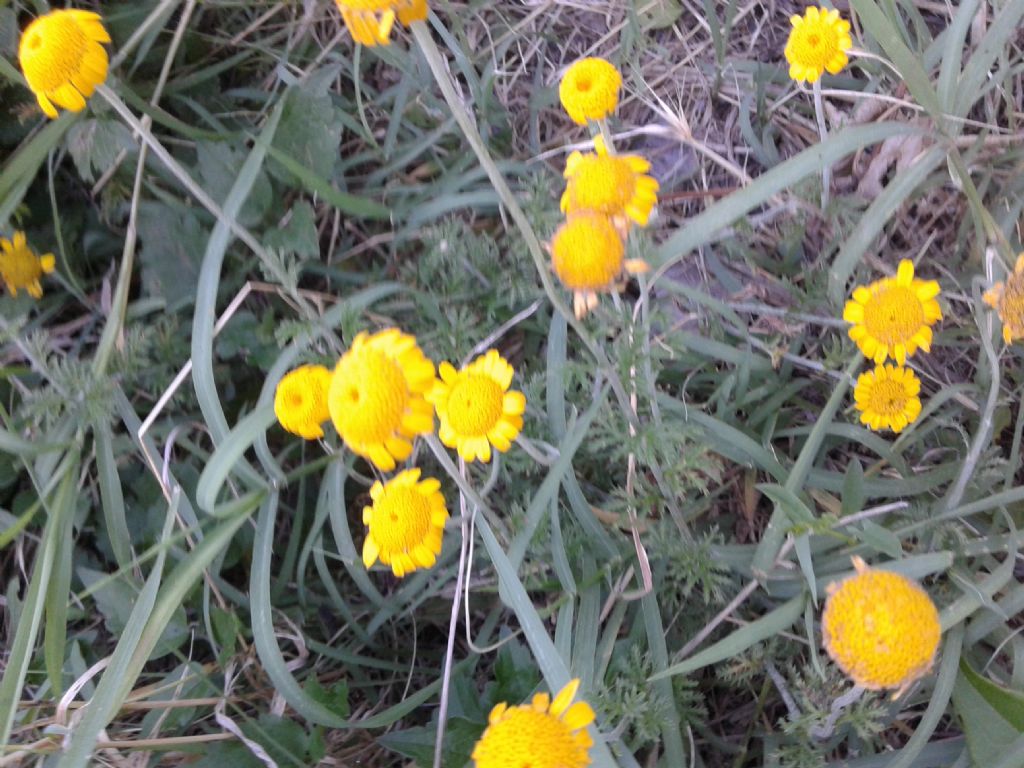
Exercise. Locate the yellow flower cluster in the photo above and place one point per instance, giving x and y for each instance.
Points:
(20, 268)
(880, 628)
(541, 734)
(605, 193)
(1007, 299)
(62, 58)
(892, 318)
(817, 43)
(381, 395)
(370, 21)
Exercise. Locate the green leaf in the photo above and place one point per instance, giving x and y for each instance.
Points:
(767, 626)
(992, 716)
(217, 168)
(298, 235)
(94, 145)
(310, 131)
(171, 242)
(229, 453)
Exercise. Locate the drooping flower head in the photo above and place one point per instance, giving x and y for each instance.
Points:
(892, 317)
(406, 522)
(589, 257)
(887, 397)
(370, 21)
(1007, 299)
(818, 42)
(880, 628)
(20, 268)
(542, 734)
(590, 90)
(300, 401)
(62, 58)
(475, 407)
(376, 398)
(615, 185)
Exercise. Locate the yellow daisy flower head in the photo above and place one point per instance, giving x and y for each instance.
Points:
(541, 734)
(1007, 299)
(376, 398)
(370, 21)
(817, 42)
(475, 407)
(590, 90)
(615, 185)
(300, 401)
(892, 317)
(62, 58)
(588, 255)
(887, 397)
(880, 628)
(20, 268)
(405, 521)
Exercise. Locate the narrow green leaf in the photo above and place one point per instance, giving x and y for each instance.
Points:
(111, 496)
(19, 656)
(59, 585)
(907, 63)
(755, 632)
(703, 227)
(229, 452)
(105, 702)
(358, 207)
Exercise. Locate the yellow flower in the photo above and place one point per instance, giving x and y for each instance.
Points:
(405, 522)
(1008, 301)
(887, 397)
(370, 21)
(376, 398)
(818, 41)
(588, 256)
(21, 268)
(542, 734)
(476, 409)
(63, 61)
(881, 628)
(590, 90)
(893, 316)
(300, 402)
(615, 185)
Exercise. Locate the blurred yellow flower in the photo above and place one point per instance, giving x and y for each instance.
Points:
(818, 42)
(20, 268)
(615, 185)
(588, 256)
(63, 61)
(376, 398)
(880, 628)
(300, 401)
(590, 90)
(475, 408)
(370, 21)
(542, 734)
(1007, 299)
(887, 397)
(892, 317)
(406, 522)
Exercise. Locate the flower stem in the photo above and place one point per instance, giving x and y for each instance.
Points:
(819, 114)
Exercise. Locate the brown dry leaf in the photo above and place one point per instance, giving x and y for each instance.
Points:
(897, 152)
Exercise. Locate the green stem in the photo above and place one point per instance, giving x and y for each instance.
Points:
(775, 533)
(826, 169)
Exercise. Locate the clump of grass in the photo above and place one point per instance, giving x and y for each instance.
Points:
(249, 190)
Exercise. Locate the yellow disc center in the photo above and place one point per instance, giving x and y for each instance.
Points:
(21, 267)
(52, 51)
(604, 184)
(820, 43)
(374, 399)
(475, 405)
(894, 314)
(530, 739)
(888, 397)
(401, 519)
